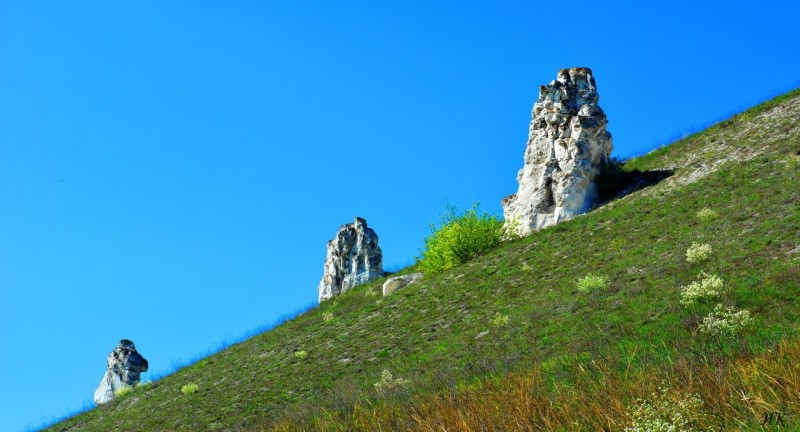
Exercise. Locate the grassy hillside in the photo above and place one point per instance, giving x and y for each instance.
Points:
(509, 340)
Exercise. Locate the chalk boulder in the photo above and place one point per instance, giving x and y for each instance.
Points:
(395, 283)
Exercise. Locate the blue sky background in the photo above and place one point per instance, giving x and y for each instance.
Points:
(170, 172)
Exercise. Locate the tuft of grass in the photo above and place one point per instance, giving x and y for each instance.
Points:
(123, 391)
(592, 282)
(706, 215)
(499, 320)
(190, 388)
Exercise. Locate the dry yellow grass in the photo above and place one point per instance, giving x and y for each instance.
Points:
(597, 396)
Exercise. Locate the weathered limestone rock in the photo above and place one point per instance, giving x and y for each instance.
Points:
(125, 366)
(353, 258)
(567, 145)
(395, 283)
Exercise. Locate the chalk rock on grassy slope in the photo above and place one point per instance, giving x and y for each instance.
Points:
(395, 283)
(353, 258)
(125, 366)
(567, 145)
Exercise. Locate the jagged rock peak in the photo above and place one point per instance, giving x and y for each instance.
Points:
(567, 146)
(353, 258)
(125, 366)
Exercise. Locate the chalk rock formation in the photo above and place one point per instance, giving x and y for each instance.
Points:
(567, 145)
(353, 259)
(125, 366)
(395, 283)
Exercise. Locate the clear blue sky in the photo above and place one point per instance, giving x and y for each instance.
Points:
(170, 172)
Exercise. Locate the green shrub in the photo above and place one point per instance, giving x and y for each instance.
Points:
(189, 388)
(300, 354)
(591, 283)
(459, 239)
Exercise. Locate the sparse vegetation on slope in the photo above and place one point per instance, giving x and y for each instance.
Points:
(507, 339)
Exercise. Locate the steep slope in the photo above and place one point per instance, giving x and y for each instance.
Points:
(518, 308)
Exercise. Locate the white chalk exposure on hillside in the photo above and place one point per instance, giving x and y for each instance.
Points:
(567, 145)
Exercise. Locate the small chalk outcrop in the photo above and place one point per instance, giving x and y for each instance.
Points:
(353, 258)
(125, 366)
(395, 283)
(567, 146)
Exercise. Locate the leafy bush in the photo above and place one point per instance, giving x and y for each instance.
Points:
(698, 252)
(592, 282)
(189, 388)
(459, 239)
(300, 354)
(708, 287)
(724, 320)
(327, 316)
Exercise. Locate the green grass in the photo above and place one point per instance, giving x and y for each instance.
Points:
(519, 305)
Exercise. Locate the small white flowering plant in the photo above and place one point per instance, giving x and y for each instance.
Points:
(499, 320)
(388, 382)
(708, 287)
(725, 321)
(706, 215)
(698, 253)
(665, 411)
